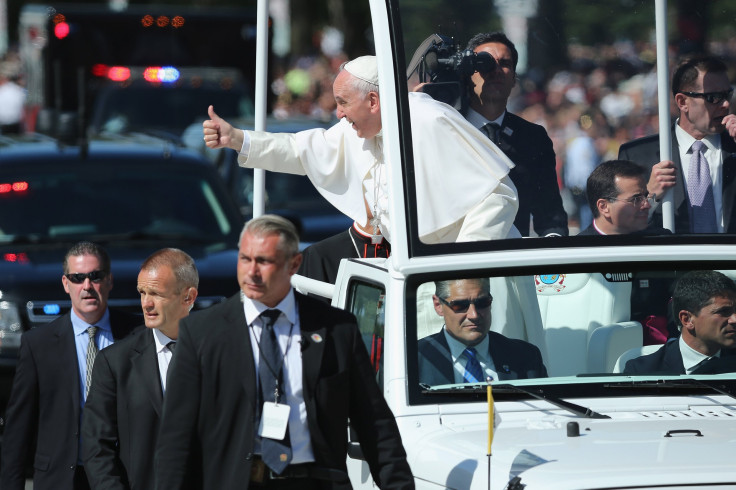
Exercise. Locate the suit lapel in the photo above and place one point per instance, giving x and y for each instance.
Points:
(144, 360)
(679, 191)
(672, 361)
(239, 333)
(313, 345)
(728, 150)
(67, 361)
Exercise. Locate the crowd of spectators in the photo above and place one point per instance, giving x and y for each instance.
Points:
(606, 96)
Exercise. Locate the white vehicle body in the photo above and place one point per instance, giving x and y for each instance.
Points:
(587, 425)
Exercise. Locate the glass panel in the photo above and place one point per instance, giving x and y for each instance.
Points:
(585, 75)
(573, 327)
(367, 303)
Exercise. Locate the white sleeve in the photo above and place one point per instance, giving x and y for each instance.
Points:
(493, 217)
(246, 145)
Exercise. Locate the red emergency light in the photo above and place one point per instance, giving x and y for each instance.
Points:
(61, 30)
(8, 187)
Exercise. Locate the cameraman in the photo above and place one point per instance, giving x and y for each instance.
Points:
(526, 144)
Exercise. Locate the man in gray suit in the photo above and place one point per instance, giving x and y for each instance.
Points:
(129, 379)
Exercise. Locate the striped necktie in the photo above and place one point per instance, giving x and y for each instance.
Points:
(91, 354)
(473, 370)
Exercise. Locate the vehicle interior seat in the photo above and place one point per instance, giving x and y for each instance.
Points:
(586, 321)
(514, 312)
(633, 353)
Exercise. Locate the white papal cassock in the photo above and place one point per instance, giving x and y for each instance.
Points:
(463, 189)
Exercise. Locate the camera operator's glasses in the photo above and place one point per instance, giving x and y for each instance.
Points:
(94, 276)
(462, 305)
(711, 97)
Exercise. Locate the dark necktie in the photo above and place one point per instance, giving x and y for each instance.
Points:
(171, 345)
(700, 192)
(473, 370)
(276, 454)
(492, 131)
(91, 354)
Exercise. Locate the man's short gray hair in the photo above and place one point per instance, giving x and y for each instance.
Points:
(272, 224)
(442, 288)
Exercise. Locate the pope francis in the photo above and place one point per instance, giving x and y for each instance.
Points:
(463, 189)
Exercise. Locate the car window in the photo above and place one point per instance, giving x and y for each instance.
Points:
(367, 302)
(581, 324)
(113, 199)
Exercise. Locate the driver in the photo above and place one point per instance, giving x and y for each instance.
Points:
(465, 350)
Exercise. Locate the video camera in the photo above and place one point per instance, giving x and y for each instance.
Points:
(445, 69)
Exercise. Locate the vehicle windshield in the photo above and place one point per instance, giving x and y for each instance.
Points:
(584, 72)
(138, 200)
(573, 331)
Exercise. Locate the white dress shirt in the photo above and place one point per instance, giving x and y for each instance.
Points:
(288, 321)
(163, 353)
(459, 360)
(691, 358)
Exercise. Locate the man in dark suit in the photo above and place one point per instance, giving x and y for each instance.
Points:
(702, 138)
(294, 364)
(704, 303)
(52, 375)
(321, 260)
(121, 417)
(526, 144)
(617, 195)
(465, 350)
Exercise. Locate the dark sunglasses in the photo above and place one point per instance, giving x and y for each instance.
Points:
(94, 276)
(462, 305)
(711, 97)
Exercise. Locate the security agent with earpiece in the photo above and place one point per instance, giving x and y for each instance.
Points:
(123, 411)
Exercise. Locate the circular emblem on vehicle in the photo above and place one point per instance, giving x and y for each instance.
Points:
(555, 282)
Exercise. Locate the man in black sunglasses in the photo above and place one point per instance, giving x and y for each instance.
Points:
(703, 166)
(52, 376)
(465, 350)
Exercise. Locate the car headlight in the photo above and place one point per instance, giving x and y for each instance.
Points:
(10, 326)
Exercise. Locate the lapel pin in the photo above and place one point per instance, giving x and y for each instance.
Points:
(316, 337)
(508, 131)
(506, 368)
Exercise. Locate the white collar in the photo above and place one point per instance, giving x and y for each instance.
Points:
(254, 308)
(478, 120)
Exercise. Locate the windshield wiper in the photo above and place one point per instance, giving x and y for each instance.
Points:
(536, 393)
(681, 383)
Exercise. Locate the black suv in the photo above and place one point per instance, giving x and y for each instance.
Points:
(132, 195)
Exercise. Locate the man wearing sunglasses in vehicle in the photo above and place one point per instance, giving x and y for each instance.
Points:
(465, 350)
(703, 166)
(53, 375)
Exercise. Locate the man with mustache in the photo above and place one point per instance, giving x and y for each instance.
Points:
(704, 305)
(53, 374)
(346, 163)
(703, 166)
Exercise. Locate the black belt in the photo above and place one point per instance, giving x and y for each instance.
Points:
(260, 473)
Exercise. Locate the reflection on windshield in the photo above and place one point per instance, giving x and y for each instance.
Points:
(474, 330)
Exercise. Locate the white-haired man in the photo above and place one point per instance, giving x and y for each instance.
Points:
(462, 183)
